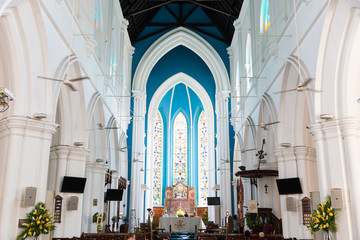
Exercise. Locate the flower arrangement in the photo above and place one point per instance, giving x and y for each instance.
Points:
(180, 213)
(38, 221)
(323, 218)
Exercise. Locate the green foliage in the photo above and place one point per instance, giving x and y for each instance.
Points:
(253, 221)
(38, 221)
(323, 218)
(205, 217)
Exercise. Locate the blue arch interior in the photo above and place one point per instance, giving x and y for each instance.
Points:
(180, 59)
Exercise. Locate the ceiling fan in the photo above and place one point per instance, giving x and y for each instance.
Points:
(247, 150)
(102, 127)
(122, 149)
(302, 87)
(264, 125)
(68, 82)
(137, 160)
(228, 161)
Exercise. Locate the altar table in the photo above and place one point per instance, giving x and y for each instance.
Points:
(181, 224)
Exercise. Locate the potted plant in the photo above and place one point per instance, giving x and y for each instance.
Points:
(254, 222)
(323, 218)
(38, 221)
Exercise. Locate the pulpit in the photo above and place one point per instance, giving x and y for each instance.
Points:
(180, 196)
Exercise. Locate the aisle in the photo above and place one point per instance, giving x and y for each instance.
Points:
(183, 235)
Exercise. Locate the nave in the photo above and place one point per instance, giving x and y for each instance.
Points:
(124, 116)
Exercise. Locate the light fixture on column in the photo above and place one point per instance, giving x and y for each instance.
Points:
(78, 144)
(99, 160)
(285, 145)
(40, 115)
(327, 117)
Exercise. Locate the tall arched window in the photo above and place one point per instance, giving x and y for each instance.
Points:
(180, 149)
(158, 160)
(203, 159)
(98, 18)
(248, 63)
(264, 16)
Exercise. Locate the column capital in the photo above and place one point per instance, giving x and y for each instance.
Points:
(316, 130)
(350, 126)
(303, 152)
(285, 154)
(230, 51)
(27, 127)
(124, 23)
(131, 51)
(62, 151)
(96, 167)
(139, 95)
(222, 95)
(237, 25)
(78, 153)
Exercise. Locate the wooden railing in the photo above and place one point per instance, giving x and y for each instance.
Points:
(215, 236)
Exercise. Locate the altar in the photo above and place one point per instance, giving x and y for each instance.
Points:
(180, 196)
(181, 224)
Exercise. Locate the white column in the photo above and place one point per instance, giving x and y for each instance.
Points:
(24, 159)
(333, 172)
(319, 138)
(94, 190)
(296, 162)
(136, 197)
(70, 162)
(223, 151)
(350, 128)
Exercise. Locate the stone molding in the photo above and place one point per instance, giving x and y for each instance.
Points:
(27, 127)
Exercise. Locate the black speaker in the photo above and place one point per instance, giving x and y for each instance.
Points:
(289, 186)
(114, 195)
(213, 201)
(73, 184)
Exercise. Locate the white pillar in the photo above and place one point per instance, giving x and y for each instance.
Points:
(350, 128)
(333, 172)
(223, 151)
(24, 159)
(299, 162)
(94, 190)
(136, 196)
(70, 161)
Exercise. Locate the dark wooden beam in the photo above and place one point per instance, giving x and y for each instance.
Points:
(150, 8)
(181, 13)
(172, 13)
(191, 12)
(151, 34)
(144, 23)
(211, 8)
(219, 25)
(208, 34)
(179, 24)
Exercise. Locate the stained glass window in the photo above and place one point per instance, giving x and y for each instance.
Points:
(98, 16)
(158, 160)
(264, 16)
(203, 159)
(180, 149)
(248, 63)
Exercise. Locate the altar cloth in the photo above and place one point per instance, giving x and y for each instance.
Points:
(181, 224)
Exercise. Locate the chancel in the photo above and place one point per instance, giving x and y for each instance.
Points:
(192, 119)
